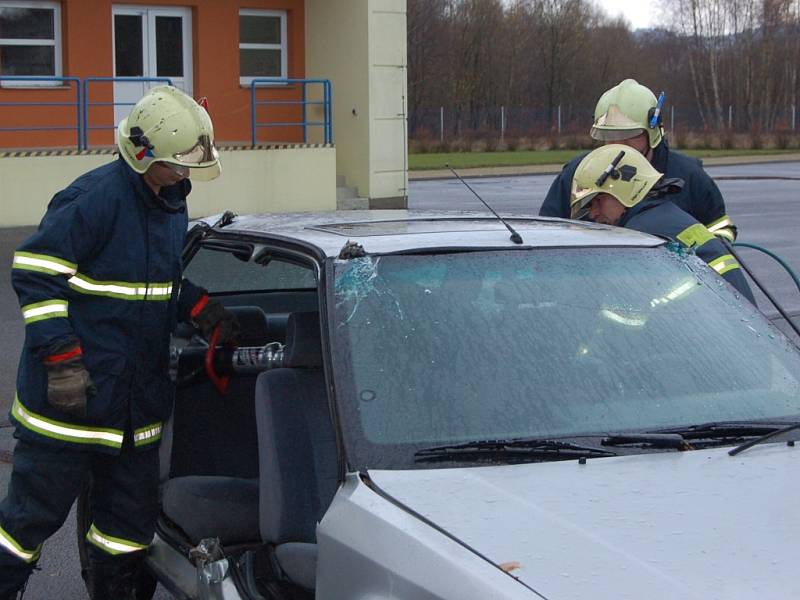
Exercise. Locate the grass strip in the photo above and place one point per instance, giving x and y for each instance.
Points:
(515, 158)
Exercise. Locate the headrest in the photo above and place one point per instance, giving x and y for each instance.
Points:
(303, 344)
(252, 325)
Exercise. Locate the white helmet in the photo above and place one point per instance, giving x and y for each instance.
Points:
(168, 126)
(626, 110)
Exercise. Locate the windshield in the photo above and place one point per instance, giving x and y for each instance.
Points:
(438, 349)
(220, 271)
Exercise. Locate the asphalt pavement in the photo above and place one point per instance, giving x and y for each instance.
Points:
(762, 199)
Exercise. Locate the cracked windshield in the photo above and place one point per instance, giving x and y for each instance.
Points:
(491, 345)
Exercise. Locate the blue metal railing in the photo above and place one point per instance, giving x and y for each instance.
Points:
(82, 104)
(304, 103)
(87, 104)
(36, 78)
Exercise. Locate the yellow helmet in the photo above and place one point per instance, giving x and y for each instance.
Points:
(168, 126)
(614, 169)
(625, 111)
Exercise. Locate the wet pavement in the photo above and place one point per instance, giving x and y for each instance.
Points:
(760, 199)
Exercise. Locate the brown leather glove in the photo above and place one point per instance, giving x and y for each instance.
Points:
(68, 381)
(208, 313)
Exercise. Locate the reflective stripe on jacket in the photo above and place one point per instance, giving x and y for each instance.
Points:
(103, 268)
(700, 196)
(662, 217)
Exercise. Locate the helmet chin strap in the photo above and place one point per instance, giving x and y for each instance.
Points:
(169, 207)
(164, 204)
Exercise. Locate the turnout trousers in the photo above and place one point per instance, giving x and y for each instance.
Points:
(45, 482)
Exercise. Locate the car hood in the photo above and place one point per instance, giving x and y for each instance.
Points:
(697, 524)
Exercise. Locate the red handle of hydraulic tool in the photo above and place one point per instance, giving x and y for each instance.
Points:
(220, 381)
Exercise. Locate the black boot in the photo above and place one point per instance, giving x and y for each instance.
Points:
(15, 595)
(18, 594)
(114, 579)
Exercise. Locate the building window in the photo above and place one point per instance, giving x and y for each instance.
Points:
(30, 41)
(262, 45)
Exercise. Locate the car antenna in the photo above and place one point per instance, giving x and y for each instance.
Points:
(515, 237)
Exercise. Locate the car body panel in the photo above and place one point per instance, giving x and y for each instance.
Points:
(656, 525)
(427, 230)
(699, 525)
(369, 548)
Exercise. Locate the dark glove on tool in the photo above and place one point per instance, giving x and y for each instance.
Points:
(68, 381)
(208, 313)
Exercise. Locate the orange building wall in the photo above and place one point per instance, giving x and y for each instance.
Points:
(87, 51)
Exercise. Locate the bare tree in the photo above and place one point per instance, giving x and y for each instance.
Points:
(472, 56)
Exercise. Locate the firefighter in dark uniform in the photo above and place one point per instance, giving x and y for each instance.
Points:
(100, 288)
(630, 114)
(615, 185)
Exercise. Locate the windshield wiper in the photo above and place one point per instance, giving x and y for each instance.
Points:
(721, 429)
(534, 448)
(686, 438)
(767, 436)
(652, 440)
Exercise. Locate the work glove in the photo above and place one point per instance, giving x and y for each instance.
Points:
(68, 381)
(209, 313)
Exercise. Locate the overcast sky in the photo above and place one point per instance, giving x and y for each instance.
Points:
(639, 13)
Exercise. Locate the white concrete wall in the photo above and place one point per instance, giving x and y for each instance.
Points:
(271, 180)
(360, 45)
(337, 49)
(388, 98)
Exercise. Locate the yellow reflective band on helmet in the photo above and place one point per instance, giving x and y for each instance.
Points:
(120, 289)
(50, 265)
(39, 311)
(147, 435)
(112, 545)
(10, 544)
(66, 432)
(723, 264)
(695, 235)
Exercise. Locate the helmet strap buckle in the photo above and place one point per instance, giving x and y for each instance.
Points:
(139, 139)
(610, 170)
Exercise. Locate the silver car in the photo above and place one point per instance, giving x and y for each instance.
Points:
(423, 409)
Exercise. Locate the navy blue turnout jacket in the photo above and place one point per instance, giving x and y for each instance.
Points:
(103, 268)
(700, 196)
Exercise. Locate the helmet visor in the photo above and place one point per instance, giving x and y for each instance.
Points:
(202, 154)
(202, 160)
(615, 135)
(580, 208)
(581, 200)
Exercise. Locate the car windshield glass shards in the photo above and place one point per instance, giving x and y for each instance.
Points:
(441, 348)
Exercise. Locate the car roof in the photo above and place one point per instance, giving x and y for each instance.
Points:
(388, 231)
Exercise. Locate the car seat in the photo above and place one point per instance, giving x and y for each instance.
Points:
(211, 453)
(298, 465)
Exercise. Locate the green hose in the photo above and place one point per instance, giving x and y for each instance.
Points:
(776, 257)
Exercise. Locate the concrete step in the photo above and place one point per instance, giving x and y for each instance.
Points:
(354, 203)
(347, 198)
(344, 192)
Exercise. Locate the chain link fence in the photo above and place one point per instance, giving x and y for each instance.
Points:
(446, 124)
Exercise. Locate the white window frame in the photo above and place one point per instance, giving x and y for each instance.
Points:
(283, 46)
(56, 41)
(149, 60)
